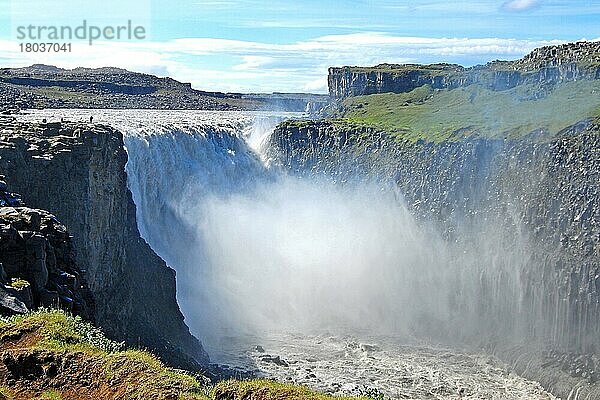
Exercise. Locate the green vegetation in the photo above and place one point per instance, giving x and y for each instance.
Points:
(437, 115)
(18, 283)
(440, 69)
(92, 366)
(57, 330)
(135, 374)
(51, 395)
(5, 393)
(267, 390)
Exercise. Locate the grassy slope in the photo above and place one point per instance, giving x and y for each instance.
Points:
(267, 390)
(87, 365)
(438, 115)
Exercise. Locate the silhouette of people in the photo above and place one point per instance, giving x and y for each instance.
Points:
(91, 118)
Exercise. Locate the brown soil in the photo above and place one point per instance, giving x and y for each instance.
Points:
(30, 372)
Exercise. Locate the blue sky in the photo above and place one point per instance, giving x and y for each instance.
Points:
(264, 46)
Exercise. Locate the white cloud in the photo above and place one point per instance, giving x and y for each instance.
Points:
(520, 5)
(235, 65)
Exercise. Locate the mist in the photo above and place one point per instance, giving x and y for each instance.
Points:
(300, 255)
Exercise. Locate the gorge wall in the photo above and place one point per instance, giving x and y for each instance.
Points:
(77, 172)
(526, 210)
(544, 66)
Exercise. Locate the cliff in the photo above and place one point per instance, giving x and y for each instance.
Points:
(77, 172)
(528, 206)
(544, 66)
(45, 86)
(37, 262)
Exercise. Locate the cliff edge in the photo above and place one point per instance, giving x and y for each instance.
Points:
(544, 66)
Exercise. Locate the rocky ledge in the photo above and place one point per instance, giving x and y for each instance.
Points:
(76, 171)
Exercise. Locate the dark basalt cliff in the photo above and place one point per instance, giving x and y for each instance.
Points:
(37, 262)
(77, 172)
(541, 193)
(516, 200)
(544, 66)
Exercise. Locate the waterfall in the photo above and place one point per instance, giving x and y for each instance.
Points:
(257, 250)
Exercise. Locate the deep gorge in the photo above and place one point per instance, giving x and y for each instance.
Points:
(494, 241)
(431, 231)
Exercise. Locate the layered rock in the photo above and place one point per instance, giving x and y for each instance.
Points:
(37, 263)
(537, 197)
(544, 66)
(77, 172)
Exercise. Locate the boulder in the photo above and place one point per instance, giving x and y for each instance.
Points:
(10, 303)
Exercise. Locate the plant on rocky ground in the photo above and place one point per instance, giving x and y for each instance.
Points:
(19, 283)
(5, 393)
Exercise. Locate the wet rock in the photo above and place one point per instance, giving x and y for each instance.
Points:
(277, 360)
(368, 347)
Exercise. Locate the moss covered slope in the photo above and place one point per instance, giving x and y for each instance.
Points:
(438, 115)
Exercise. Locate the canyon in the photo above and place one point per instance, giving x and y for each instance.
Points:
(439, 214)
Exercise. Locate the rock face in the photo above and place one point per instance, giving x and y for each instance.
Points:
(37, 263)
(544, 66)
(77, 171)
(541, 194)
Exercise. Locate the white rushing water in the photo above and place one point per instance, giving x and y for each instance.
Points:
(332, 279)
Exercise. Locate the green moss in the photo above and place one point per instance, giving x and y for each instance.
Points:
(6, 392)
(59, 331)
(51, 395)
(437, 115)
(152, 376)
